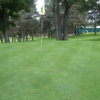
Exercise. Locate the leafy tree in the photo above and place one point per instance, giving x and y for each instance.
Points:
(94, 15)
(49, 19)
(76, 19)
(85, 5)
(9, 11)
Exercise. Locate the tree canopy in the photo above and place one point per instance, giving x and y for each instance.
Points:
(9, 10)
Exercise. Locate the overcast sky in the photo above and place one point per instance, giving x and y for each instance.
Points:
(39, 4)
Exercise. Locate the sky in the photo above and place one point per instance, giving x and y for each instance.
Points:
(39, 4)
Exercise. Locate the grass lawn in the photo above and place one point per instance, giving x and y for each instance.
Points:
(65, 70)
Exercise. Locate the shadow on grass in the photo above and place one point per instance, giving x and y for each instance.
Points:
(95, 39)
(88, 37)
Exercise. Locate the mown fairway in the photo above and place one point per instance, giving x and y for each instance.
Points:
(65, 70)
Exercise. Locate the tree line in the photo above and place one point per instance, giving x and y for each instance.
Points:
(19, 19)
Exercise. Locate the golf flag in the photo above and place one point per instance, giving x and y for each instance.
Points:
(43, 10)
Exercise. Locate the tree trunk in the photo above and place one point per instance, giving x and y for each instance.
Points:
(49, 32)
(95, 23)
(1, 38)
(23, 38)
(4, 30)
(6, 36)
(65, 23)
(26, 37)
(57, 20)
(32, 37)
(4, 21)
(75, 29)
(95, 32)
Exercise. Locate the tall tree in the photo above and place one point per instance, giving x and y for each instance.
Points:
(57, 19)
(85, 4)
(94, 15)
(8, 11)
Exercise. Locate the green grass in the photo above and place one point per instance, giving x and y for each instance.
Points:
(61, 70)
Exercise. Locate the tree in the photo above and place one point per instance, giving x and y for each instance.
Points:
(49, 22)
(94, 15)
(85, 5)
(57, 19)
(76, 19)
(9, 11)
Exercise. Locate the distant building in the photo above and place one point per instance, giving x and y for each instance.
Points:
(87, 29)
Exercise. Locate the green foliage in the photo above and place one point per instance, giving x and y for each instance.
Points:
(9, 11)
(10, 8)
(87, 5)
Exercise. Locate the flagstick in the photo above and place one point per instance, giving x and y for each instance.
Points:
(42, 14)
(41, 31)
